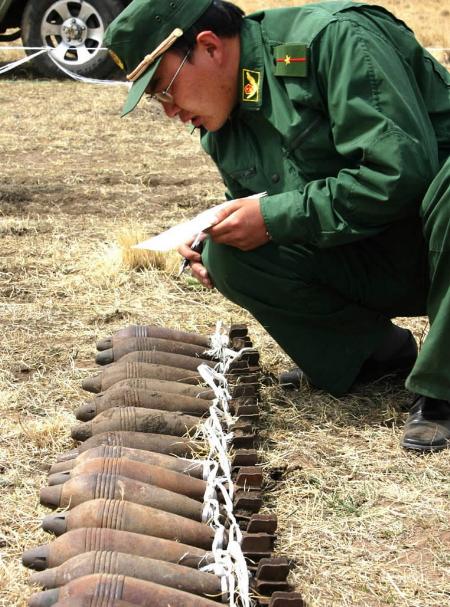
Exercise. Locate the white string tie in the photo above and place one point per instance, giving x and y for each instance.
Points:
(229, 562)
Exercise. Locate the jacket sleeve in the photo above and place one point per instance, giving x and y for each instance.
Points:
(379, 122)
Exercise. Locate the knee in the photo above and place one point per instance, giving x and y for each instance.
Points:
(222, 263)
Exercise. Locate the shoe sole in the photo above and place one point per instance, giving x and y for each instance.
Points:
(427, 448)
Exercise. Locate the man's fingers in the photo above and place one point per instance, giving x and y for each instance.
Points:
(186, 251)
(201, 274)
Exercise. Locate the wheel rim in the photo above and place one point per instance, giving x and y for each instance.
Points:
(75, 30)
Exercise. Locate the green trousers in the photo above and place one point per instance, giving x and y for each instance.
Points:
(431, 373)
(330, 308)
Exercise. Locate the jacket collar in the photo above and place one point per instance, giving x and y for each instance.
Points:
(251, 68)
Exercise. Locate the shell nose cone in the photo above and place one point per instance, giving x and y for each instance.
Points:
(86, 412)
(105, 357)
(92, 384)
(67, 456)
(51, 496)
(36, 558)
(46, 579)
(81, 432)
(58, 478)
(104, 344)
(44, 599)
(55, 523)
(62, 466)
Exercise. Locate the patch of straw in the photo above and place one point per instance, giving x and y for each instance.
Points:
(139, 259)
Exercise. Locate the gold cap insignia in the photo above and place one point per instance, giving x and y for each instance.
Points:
(117, 60)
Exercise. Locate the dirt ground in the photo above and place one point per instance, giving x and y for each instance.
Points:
(365, 524)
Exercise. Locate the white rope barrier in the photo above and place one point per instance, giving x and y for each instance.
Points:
(48, 49)
(229, 561)
(11, 66)
(85, 79)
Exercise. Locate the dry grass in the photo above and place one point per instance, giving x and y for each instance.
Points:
(365, 523)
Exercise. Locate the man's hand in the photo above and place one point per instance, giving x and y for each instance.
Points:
(198, 270)
(240, 224)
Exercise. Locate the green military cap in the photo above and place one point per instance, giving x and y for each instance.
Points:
(143, 32)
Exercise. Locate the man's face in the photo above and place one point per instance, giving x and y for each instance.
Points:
(203, 92)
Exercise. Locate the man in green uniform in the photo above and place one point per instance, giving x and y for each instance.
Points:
(338, 113)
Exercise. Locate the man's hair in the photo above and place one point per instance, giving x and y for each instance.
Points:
(223, 18)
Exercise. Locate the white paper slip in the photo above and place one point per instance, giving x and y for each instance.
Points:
(183, 232)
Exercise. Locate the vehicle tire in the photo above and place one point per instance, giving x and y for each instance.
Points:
(75, 28)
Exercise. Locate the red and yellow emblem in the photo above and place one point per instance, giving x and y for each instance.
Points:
(250, 85)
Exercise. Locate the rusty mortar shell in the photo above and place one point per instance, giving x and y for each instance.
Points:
(86, 539)
(119, 346)
(86, 600)
(159, 333)
(235, 330)
(112, 486)
(136, 419)
(123, 396)
(161, 385)
(113, 586)
(181, 361)
(146, 473)
(136, 518)
(160, 443)
(125, 370)
(182, 465)
(143, 568)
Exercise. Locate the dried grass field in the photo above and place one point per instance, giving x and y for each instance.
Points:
(365, 524)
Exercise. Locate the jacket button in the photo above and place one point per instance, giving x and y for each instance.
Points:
(275, 178)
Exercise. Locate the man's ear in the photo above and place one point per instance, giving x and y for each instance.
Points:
(210, 43)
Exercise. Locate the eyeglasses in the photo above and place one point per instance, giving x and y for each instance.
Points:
(164, 96)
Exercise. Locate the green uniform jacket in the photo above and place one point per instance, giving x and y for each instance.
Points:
(347, 138)
(344, 119)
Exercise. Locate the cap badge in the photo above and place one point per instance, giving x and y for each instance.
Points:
(117, 60)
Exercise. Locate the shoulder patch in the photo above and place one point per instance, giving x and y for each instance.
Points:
(291, 60)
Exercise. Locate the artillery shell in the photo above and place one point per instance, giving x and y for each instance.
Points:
(119, 346)
(127, 516)
(110, 586)
(146, 473)
(184, 466)
(158, 358)
(136, 419)
(143, 568)
(112, 486)
(158, 332)
(161, 385)
(125, 370)
(160, 443)
(86, 600)
(122, 396)
(78, 541)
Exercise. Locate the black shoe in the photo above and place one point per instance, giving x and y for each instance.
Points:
(399, 365)
(428, 425)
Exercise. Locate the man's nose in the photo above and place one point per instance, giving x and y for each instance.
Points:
(171, 109)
